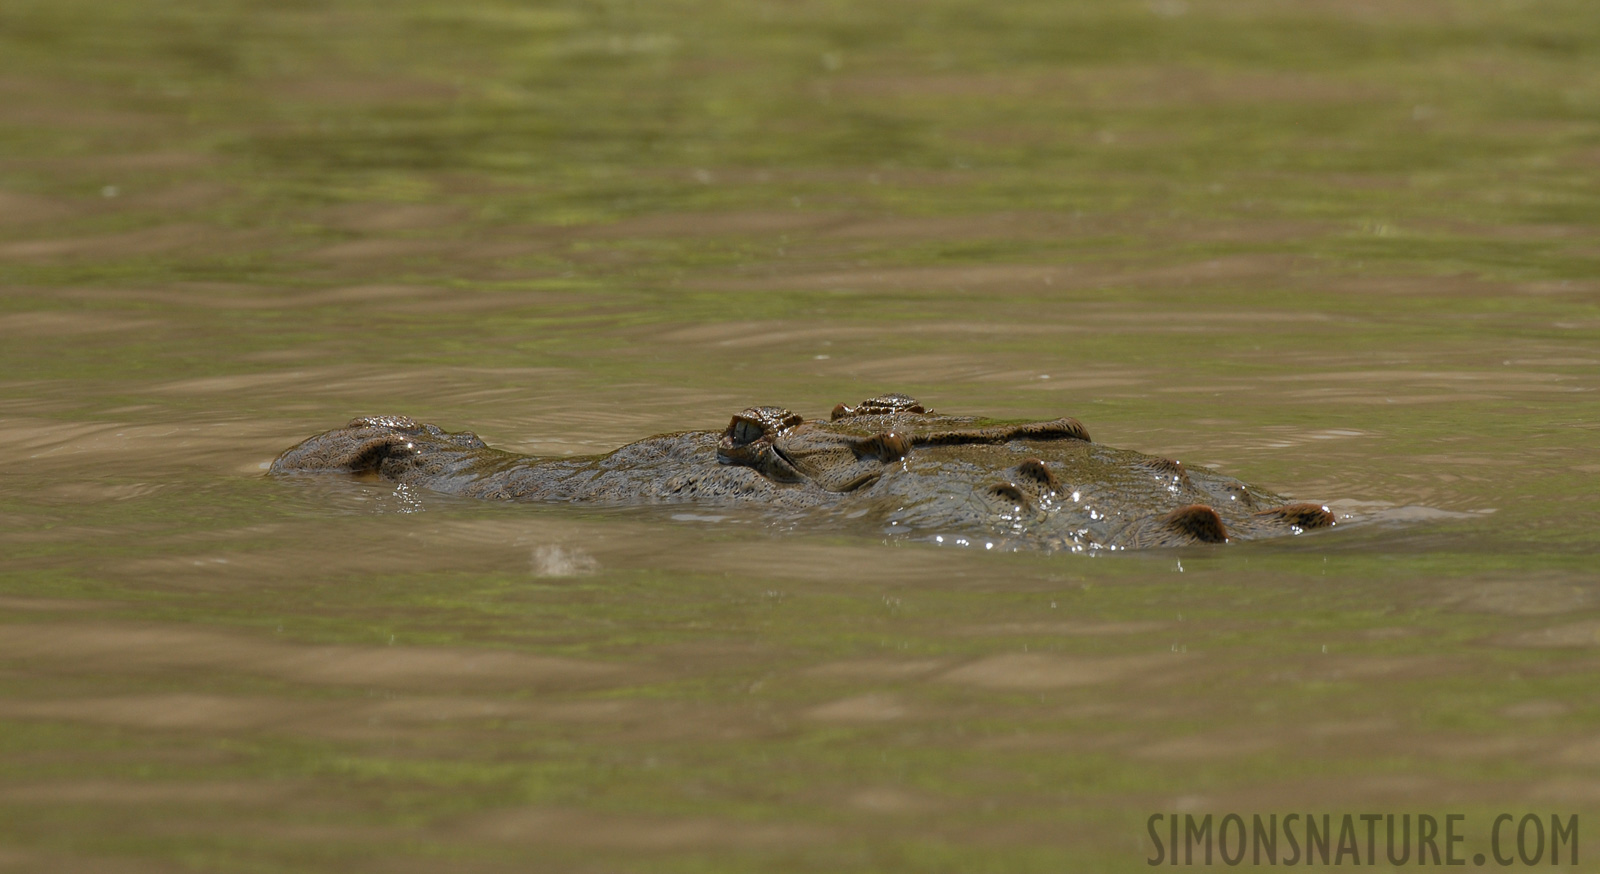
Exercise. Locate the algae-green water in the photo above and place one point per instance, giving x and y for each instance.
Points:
(1344, 250)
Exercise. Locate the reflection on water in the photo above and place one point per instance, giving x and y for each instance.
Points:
(1341, 250)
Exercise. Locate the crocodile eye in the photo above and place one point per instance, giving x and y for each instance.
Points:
(758, 423)
(742, 431)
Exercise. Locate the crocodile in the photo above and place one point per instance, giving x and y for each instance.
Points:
(887, 464)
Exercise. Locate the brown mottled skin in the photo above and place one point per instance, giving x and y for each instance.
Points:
(886, 464)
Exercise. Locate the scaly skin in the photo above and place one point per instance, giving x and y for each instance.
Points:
(887, 465)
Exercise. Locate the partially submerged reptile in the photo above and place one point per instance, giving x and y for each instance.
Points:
(886, 464)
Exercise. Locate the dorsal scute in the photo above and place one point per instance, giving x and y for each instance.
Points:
(882, 405)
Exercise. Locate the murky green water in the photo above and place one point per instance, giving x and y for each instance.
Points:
(1344, 250)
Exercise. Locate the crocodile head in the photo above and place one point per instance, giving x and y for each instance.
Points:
(857, 445)
(1039, 483)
